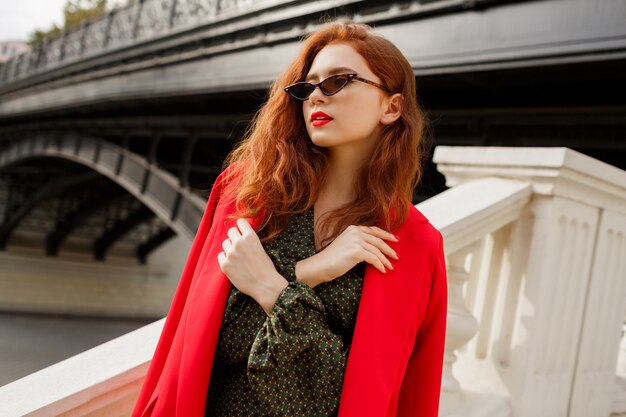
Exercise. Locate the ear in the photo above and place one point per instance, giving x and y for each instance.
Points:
(392, 109)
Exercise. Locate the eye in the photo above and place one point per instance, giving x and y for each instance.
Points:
(339, 81)
(335, 83)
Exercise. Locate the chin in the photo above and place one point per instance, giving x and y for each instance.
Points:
(331, 138)
(320, 140)
(329, 142)
(323, 142)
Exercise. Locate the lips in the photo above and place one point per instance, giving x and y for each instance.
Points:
(319, 118)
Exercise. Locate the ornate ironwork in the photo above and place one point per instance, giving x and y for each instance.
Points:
(73, 47)
(239, 5)
(122, 25)
(154, 19)
(188, 12)
(96, 35)
(19, 64)
(53, 187)
(54, 52)
(142, 21)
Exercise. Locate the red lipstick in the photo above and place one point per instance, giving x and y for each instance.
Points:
(319, 118)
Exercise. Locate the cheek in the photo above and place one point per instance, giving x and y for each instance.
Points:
(356, 115)
(361, 117)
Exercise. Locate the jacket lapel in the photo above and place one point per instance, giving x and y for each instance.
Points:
(384, 333)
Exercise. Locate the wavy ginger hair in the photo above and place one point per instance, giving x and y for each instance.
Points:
(280, 171)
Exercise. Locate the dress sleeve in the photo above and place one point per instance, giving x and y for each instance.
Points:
(296, 364)
(243, 317)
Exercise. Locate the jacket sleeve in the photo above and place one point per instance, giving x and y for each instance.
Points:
(174, 314)
(421, 386)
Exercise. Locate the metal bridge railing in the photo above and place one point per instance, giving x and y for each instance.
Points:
(144, 20)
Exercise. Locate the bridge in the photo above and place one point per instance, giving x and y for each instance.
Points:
(111, 136)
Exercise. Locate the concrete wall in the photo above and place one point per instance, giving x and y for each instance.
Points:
(31, 282)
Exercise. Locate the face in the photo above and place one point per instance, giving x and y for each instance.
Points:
(356, 111)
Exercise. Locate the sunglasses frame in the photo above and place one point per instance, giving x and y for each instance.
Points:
(351, 76)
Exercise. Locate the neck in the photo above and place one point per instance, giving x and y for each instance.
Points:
(344, 163)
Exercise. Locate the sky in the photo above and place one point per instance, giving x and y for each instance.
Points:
(18, 18)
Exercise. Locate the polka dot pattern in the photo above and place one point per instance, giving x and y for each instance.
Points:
(290, 363)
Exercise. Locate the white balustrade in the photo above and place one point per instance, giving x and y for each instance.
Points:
(534, 240)
(548, 293)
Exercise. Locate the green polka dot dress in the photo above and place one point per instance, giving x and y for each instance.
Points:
(290, 363)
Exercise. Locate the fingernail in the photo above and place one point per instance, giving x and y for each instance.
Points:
(391, 266)
(397, 238)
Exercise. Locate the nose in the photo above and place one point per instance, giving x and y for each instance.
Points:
(317, 95)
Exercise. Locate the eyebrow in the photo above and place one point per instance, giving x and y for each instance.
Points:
(335, 70)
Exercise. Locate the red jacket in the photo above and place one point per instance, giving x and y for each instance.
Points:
(395, 361)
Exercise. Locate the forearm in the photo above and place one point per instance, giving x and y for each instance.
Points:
(307, 273)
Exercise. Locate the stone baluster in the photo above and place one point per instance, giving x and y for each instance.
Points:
(461, 327)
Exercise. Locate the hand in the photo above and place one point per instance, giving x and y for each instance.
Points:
(355, 244)
(248, 267)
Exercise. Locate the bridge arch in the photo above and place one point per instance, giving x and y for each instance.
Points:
(158, 190)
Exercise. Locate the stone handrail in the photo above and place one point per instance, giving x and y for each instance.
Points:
(533, 238)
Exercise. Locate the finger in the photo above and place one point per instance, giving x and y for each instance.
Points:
(383, 234)
(226, 245)
(381, 245)
(373, 249)
(244, 226)
(221, 257)
(372, 259)
(233, 234)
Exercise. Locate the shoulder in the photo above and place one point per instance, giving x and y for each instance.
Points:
(228, 174)
(226, 182)
(417, 224)
(424, 240)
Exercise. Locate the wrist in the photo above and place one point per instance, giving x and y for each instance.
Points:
(306, 274)
(268, 293)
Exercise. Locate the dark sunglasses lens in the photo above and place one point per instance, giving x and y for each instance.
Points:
(301, 91)
(335, 83)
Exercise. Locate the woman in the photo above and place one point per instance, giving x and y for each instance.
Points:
(313, 286)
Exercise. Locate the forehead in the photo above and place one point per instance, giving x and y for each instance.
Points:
(336, 58)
